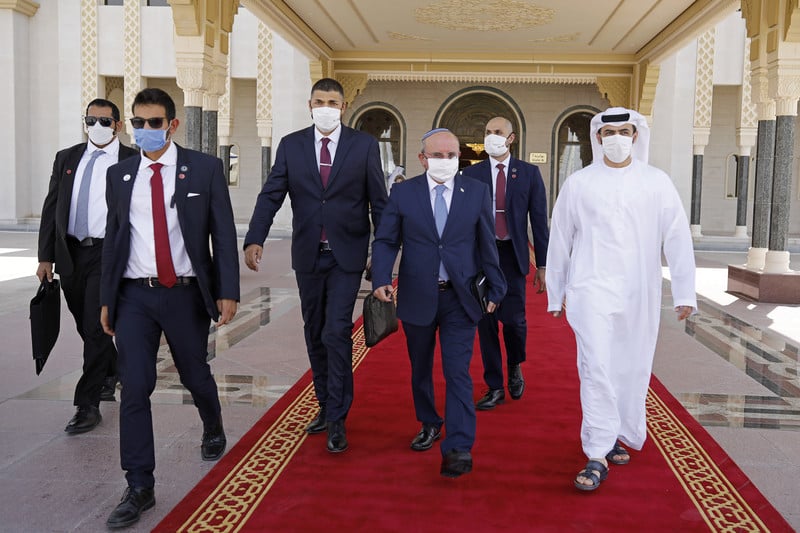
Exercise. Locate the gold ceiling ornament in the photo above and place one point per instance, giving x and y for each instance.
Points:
(476, 147)
(395, 36)
(484, 15)
(566, 38)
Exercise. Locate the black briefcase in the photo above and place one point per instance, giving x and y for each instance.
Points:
(479, 286)
(380, 320)
(45, 321)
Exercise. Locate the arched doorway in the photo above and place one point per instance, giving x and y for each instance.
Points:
(466, 115)
(572, 146)
(385, 124)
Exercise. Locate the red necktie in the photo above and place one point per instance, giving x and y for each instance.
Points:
(166, 270)
(324, 172)
(501, 229)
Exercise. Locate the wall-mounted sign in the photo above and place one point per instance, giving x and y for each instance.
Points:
(538, 157)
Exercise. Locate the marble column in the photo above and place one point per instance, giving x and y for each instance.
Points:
(225, 155)
(209, 132)
(194, 127)
(777, 258)
(266, 162)
(742, 176)
(763, 184)
(697, 190)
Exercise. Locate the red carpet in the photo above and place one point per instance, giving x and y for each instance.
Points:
(526, 455)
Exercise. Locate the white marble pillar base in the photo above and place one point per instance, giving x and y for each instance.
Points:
(741, 231)
(776, 262)
(755, 258)
(696, 230)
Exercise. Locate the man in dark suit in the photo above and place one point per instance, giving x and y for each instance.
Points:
(159, 276)
(443, 222)
(519, 196)
(71, 235)
(334, 179)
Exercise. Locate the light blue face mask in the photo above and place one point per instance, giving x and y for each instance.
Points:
(150, 140)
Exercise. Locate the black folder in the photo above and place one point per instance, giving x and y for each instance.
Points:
(45, 321)
(480, 290)
(380, 320)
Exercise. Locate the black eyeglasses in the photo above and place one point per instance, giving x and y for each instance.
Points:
(106, 122)
(155, 122)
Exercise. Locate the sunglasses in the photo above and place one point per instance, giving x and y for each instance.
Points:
(106, 122)
(155, 122)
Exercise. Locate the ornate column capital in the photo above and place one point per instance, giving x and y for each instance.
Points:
(616, 90)
(26, 7)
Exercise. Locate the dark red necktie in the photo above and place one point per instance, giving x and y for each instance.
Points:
(500, 227)
(166, 270)
(324, 172)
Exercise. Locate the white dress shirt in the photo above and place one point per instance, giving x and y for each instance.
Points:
(493, 164)
(447, 193)
(97, 188)
(142, 261)
(333, 136)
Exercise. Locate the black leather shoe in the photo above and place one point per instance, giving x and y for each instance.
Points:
(516, 383)
(86, 419)
(214, 443)
(108, 389)
(456, 463)
(133, 503)
(318, 425)
(426, 437)
(337, 441)
(491, 399)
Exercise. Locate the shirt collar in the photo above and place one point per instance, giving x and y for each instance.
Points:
(494, 162)
(111, 148)
(168, 158)
(432, 184)
(333, 136)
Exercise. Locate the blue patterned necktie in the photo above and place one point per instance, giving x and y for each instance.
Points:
(440, 215)
(82, 209)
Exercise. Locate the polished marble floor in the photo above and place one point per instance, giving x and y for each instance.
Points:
(734, 366)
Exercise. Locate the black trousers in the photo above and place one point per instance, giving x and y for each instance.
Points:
(82, 292)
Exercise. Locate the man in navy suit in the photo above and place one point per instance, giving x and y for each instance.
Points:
(519, 196)
(159, 276)
(72, 237)
(334, 179)
(443, 221)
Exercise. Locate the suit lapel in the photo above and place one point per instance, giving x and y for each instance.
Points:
(129, 170)
(346, 138)
(310, 155)
(456, 204)
(183, 175)
(423, 195)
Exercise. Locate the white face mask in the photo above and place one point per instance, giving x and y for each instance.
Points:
(495, 145)
(99, 135)
(617, 148)
(442, 170)
(326, 119)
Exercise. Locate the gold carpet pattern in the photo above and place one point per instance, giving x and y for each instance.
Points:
(717, 500)
(230, 504)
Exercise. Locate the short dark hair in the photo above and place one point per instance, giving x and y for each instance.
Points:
(328, 85)
(102, 102)
(152, 96)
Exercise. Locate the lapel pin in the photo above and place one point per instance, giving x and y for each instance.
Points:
(461, 189)
(181, 176)
(69, 171)
(126, 177)
(184, 168)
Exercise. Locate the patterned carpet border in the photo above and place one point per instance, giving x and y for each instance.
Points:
(229, 506)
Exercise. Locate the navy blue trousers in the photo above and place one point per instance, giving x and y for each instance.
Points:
(327, 298)
(456, 338)
(143, 313)
(511, 313)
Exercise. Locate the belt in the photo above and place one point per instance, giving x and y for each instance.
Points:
(445, 285)
(503, 243)
(154, 283)
(324, 247)
(85, 243)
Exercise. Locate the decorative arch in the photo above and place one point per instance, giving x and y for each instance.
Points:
(368, 118)
(559, 141)
(466, 112)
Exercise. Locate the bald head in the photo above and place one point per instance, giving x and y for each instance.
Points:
(499, 136)
(499, 126)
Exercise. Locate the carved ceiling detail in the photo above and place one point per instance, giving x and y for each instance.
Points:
(484, 15)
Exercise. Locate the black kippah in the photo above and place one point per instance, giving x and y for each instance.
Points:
(624, 117)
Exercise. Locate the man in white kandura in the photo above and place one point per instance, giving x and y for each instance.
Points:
(610, 223)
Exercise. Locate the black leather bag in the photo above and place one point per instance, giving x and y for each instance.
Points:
(45, 318)
(479, 286)
(380, 320)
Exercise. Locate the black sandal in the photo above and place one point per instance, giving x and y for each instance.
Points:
(618, 450)
(589, 473)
